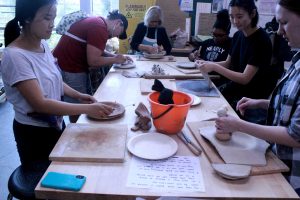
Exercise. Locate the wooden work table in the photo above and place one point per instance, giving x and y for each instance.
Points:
(108, 180)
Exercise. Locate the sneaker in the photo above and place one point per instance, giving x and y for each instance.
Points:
(2, 95)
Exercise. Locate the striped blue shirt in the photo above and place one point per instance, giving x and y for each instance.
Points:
(284, 111)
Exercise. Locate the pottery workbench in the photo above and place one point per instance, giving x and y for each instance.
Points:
(108, 180)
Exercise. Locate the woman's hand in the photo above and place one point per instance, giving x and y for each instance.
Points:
(128, 58)
(99, 110)
(119, 59)
(160, 48)
(227, 124)
(247, 103)
(152, 49)
(194, 56)
(86, 98)
(205, 66)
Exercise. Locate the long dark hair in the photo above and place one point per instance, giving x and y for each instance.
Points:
(291, 5)
(223, 21)
(248, 6)
(25, 11)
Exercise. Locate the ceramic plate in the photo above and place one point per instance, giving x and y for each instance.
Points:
(152, 146)
(186, 65)
(242, 148)
(155, 56)
(196, 99)
(118, 111)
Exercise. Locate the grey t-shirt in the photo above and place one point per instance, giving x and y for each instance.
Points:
(21, 65)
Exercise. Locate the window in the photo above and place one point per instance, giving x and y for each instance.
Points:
(102, 7)
(98, 7)
(7, 12)
(63, 7)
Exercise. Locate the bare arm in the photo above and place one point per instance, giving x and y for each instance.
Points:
(68, 91)
(225, 63)
(108, 54)
(222, 68)
(242, 78)
(247, 103)
(84, 98)
(147, 48)
(31, 91)
(276, 134)
(96, 59)
(208, 65)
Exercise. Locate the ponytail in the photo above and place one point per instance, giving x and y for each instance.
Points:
(11, 31)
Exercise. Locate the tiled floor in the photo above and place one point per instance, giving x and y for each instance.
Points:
(9, 158)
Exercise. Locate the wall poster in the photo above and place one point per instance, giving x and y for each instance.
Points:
(134, 11)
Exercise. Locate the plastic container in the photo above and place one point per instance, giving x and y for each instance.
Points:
(170, 119)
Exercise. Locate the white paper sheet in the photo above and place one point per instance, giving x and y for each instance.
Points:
(176, 173)
(186, 5)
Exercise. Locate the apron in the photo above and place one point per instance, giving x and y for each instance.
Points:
(148, 41)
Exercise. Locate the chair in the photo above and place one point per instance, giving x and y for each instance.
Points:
(23, 180)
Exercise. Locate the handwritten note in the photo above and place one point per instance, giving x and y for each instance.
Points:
(176, 173)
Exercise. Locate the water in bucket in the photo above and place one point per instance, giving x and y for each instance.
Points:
(170, 119)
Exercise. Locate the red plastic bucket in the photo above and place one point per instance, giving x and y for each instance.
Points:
(170, 119)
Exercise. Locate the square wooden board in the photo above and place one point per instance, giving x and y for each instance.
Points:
(274, 165)
(91, 143)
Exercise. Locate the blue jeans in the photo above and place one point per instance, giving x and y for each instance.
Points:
(78, 81)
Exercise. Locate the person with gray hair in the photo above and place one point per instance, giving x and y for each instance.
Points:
(150, 35)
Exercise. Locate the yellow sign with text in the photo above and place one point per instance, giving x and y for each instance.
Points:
(134, 11)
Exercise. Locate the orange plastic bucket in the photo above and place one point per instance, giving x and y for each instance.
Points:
(170, 119)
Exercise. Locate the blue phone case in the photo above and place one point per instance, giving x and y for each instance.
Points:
(63, 181)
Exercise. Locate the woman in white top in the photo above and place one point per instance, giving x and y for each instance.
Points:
(34, 85)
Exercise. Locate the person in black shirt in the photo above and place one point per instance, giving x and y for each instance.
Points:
(217, 48)
(149, 35)
(248, 64)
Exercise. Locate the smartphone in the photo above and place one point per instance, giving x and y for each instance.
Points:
(63, 181)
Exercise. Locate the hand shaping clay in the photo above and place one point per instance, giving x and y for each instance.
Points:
(220, 135)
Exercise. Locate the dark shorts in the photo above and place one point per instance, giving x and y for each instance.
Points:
(34, 143)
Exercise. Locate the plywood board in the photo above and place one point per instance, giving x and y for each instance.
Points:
(274, 165)
(91, 143)
(241, 148)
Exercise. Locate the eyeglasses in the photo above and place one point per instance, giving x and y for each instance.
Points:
(218, 35)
